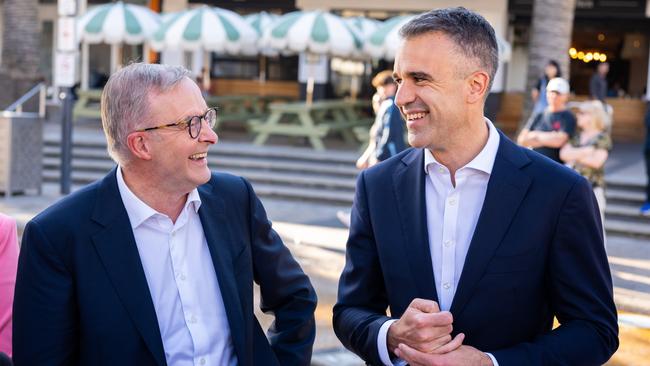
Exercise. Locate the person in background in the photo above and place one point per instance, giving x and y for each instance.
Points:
(645, 208)
(538, 94)
(598, 82)
(387, 132)
(8, 264)
(588, 150)
(548, 131)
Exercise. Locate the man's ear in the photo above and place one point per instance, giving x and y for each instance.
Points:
(478, 86)
(139, 145)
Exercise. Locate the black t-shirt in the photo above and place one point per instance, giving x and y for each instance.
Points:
(553, 121)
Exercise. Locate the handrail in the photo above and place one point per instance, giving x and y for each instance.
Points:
(17, 106)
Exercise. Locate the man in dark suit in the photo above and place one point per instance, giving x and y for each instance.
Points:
(473, 243)
(154, 264)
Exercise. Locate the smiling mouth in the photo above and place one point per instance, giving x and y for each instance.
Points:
(414, 116)
(199, 156)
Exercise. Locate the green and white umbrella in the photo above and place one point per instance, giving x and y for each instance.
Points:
(117, 23)
(383, 43)
(316, 32)
(261, 21)
(365, 26)
(206, 28)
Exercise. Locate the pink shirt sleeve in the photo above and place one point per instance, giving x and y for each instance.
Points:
(8, 265)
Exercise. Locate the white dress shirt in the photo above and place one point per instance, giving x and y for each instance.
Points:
(452, 214)
(182, 282)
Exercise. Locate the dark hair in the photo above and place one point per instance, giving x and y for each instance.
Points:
(557, 67)
(473, 35)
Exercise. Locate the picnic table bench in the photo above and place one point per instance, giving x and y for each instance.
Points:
(242, 108)
(312, 120)
(87, 104)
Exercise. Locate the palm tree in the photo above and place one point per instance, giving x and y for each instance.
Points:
(550, 38)
(19, 68)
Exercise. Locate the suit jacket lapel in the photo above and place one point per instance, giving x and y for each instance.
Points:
(116, 247)
(217, 234)
(409, 183)
(506, 189)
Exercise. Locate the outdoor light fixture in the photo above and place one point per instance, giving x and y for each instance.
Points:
(587, 56)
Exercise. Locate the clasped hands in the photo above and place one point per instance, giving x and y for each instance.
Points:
(422, 337)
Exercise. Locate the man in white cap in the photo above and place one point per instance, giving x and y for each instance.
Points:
(548, 131)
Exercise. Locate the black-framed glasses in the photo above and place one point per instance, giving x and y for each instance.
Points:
(193, 124)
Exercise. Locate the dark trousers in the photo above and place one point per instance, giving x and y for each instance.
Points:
(647, 172)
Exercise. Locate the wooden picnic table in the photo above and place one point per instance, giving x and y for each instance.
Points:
(312, 120)
(241, 108)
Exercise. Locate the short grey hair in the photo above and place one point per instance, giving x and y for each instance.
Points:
(473, 35)
(125, 101)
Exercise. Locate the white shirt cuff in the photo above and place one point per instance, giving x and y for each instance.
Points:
(494, 360)
(382, 347)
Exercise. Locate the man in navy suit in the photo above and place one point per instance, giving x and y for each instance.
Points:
(155, 263)
(472, 243)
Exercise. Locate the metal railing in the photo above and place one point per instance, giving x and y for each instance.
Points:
(17, 106)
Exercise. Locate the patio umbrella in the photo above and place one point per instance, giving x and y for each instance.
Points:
(259, 22)
(115, 24)
(206, 28)
(365, 26)
(384, 41)
(316, 32)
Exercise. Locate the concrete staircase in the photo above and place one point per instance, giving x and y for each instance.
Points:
(297, 173)
(275, 171)
(622, 217)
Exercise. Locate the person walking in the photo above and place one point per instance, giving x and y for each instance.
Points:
(463, 249)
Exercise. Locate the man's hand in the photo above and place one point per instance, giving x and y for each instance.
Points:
(424, 327)
(464, 355)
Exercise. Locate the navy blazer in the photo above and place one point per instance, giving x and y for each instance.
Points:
(537, 252)
(82, 297)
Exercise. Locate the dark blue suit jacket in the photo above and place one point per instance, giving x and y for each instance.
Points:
(537, 252)
(82, 297)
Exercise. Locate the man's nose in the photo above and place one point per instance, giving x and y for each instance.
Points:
(208, 134)
(404, 95)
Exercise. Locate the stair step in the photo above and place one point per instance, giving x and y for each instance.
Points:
(223, 163)
(625, 210)
(268, 190)
(239, 149)
(620, 195)
(627, 228)
(262, 189)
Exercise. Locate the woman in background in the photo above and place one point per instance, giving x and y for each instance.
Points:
(588, 150)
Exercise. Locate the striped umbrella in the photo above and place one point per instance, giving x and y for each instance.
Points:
(206, 28)
(384, 41)
(315, 32)
(260, 21)
(117, 23)
(365, 26)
